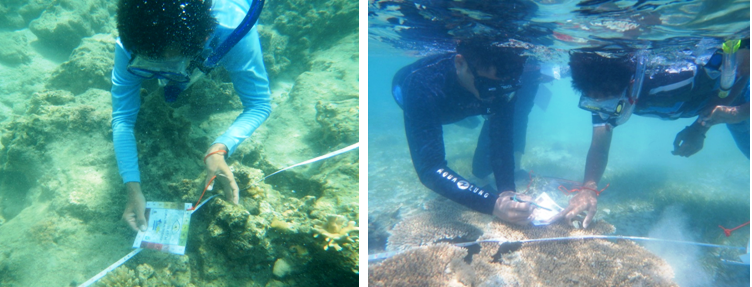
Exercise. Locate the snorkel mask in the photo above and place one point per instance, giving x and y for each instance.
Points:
(177, 73)
(174, 69)
(612, 107)
(490, 89)
(619, 107)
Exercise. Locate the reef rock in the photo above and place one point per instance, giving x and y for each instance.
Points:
(92, 60)
(15, 48)
(64, 24)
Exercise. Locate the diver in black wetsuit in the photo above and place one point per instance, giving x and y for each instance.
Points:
(480, 79)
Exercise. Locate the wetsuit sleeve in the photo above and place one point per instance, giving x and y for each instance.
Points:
(524, 105)
(126, 102)
(248, 74)
(502, 144)
(426, 142)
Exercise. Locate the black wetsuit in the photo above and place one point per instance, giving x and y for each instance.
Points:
(525, 100)
(684, 93)
(431, 96)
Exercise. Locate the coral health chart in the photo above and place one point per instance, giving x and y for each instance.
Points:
(167, 229)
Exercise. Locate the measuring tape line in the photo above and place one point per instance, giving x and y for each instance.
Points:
(331, 154)
(111, 268)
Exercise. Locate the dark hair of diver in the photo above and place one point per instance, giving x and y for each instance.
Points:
(595, 75)
(483, 52)
(149, 27)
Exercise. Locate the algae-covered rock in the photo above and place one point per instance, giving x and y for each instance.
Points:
(339, 121)
(235, 231)
(64, 24)
(15, 48)
(293, 30)
(92, 60)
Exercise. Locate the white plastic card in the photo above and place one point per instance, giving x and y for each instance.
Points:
(167, 227)
(541, 215)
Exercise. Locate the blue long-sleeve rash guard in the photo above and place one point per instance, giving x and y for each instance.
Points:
(431, 96)
(245, 64)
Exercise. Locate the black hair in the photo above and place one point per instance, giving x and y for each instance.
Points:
(482, 53)
(148, 27)
(595, 74)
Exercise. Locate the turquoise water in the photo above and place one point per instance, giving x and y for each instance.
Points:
(651, 192)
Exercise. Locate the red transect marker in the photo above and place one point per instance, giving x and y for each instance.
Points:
(728, 231)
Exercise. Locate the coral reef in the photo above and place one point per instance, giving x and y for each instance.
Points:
(335, 233)
(61, 194)
(582, 262)
(435, 265)
(170, 270)
(121, 277)
(442, 221)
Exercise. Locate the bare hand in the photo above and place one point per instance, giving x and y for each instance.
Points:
(135, 208)
(509, 210)
(584, 200)
(216, 165)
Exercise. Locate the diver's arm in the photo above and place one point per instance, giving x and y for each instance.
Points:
(736, 90)
(126, 102)
(248, 74)
(502, 144)
(597, 157)
(743, 110)
(425, 139)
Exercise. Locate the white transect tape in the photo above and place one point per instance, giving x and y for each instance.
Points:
(386, 255)
(331, 154)
(129, 256)
(202, 204)
(111, 268)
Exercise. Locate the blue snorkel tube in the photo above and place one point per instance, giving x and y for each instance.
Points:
(245, 26)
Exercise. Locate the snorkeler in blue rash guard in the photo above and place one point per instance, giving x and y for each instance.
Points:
(612, 92)
(158, 39)
(480, 79)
